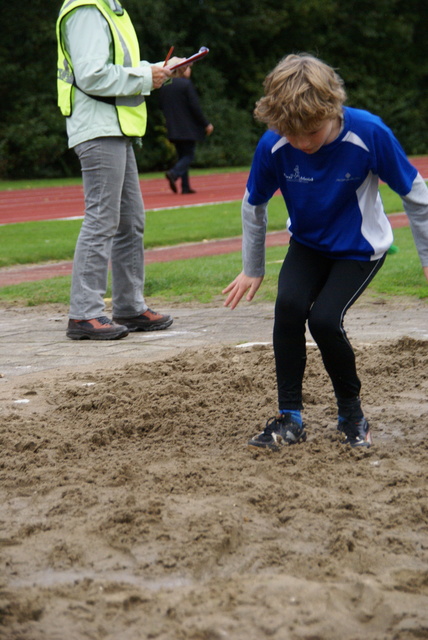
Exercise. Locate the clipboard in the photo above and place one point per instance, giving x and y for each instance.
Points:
(196, 56)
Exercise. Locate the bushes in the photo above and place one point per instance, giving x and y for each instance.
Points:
(380, 49)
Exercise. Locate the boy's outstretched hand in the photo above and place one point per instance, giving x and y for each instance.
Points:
(239, 287)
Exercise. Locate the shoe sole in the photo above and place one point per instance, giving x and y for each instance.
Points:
(156, 327)
(93, 336)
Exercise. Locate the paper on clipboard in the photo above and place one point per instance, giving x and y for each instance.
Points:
(196, 56)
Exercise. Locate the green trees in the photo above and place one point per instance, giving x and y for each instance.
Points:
(379, 48)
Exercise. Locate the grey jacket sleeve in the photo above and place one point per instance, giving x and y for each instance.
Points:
(416, 207)
(254, 224)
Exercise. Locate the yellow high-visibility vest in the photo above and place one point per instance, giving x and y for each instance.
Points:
(131, 110)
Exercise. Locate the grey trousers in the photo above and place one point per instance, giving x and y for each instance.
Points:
(112, 230)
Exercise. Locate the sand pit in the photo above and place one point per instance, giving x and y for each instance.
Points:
(131, 508)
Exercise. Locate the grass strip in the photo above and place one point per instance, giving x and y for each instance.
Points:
(202, 279)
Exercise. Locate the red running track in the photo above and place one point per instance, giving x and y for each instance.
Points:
(53, 203)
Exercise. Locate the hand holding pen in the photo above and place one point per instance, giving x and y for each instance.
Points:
(176, 66)
(161, 74)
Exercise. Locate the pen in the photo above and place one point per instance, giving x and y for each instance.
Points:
(168, 55)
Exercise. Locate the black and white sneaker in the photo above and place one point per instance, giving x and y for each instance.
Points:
(356, 432)
(279, 431)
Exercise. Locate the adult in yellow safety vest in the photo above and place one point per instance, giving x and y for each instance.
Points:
(102, 84)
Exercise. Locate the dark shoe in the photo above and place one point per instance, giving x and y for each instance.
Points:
(278, 432)
(171, 181)
(95, 329)
(188, 191)
(147, 321)
(357, 432)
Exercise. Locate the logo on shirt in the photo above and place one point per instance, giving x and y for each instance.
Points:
(348, 177)
(296, 177)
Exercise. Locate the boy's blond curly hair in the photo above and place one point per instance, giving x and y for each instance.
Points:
(300, 92)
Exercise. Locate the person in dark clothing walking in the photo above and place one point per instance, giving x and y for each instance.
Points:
(186, 125)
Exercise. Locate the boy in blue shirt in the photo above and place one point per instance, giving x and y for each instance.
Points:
(327, 161)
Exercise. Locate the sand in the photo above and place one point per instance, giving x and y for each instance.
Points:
(132, 509)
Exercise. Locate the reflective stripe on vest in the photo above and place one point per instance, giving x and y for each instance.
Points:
(131, 110)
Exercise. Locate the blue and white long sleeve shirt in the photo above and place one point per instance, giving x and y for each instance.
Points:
(332, 196)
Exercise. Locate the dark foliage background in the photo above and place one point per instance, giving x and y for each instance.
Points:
(379, 48)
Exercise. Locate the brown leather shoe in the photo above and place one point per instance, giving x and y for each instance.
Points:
(95, 329)
(147, 321)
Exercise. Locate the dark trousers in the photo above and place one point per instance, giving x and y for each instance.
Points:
(186, 153)
(315, 289)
